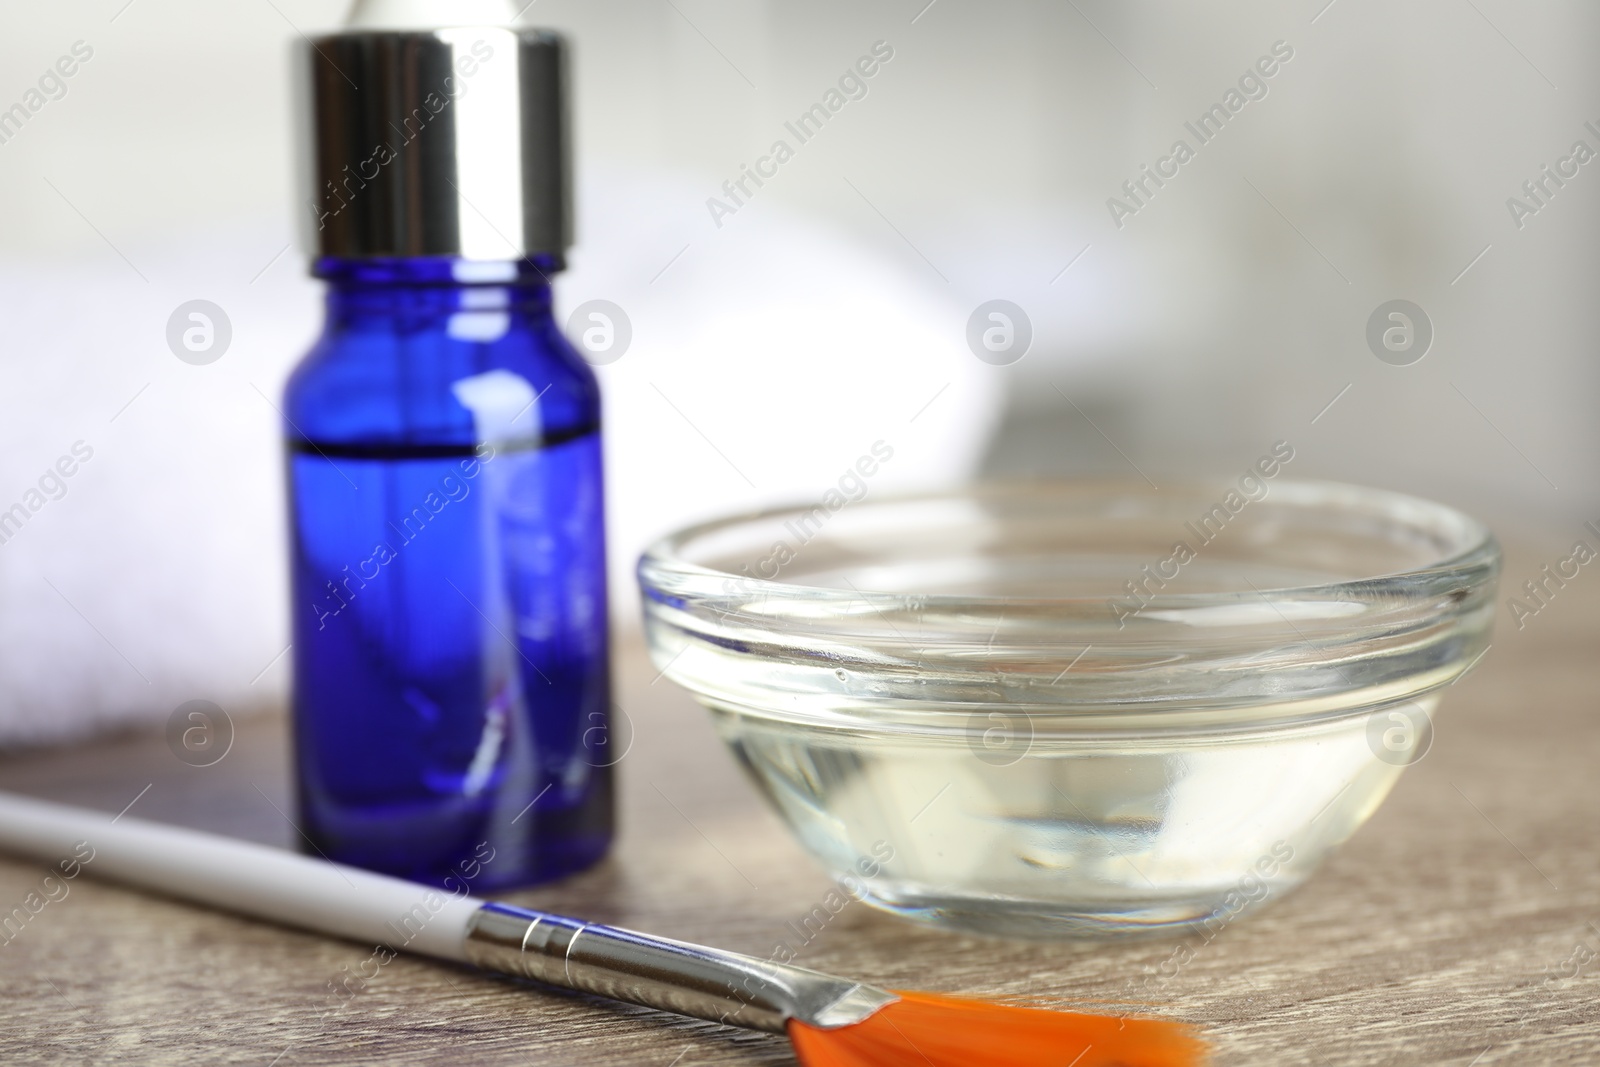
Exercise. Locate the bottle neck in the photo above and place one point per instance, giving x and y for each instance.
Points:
(426, 288)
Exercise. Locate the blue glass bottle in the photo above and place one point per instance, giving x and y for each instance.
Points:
(451, 701)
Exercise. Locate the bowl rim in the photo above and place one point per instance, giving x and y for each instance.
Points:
(1479, 554)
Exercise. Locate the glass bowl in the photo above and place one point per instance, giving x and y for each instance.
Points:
(1061, 710)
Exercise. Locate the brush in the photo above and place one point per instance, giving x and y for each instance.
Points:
(832, 1022)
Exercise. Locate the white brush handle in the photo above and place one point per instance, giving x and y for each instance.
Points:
(268, 883)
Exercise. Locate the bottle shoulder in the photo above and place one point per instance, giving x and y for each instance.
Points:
(377, 381)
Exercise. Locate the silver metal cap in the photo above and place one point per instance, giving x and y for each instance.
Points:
(449, 142)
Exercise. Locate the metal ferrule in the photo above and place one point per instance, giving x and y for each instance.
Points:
(450, 142)
(657, 972)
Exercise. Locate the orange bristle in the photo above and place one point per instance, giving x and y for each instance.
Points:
(925, 1030)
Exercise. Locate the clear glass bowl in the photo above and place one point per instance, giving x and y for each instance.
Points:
(1076, 709)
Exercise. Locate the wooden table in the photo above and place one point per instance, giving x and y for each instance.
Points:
(1461, 925)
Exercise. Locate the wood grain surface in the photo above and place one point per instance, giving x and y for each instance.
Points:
(1460, 926)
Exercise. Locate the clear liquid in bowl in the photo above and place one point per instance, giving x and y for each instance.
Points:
(1070, 837)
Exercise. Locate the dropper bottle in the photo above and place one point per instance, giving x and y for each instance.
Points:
(451, 703)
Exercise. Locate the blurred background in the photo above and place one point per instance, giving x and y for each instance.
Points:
(1177, 329)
